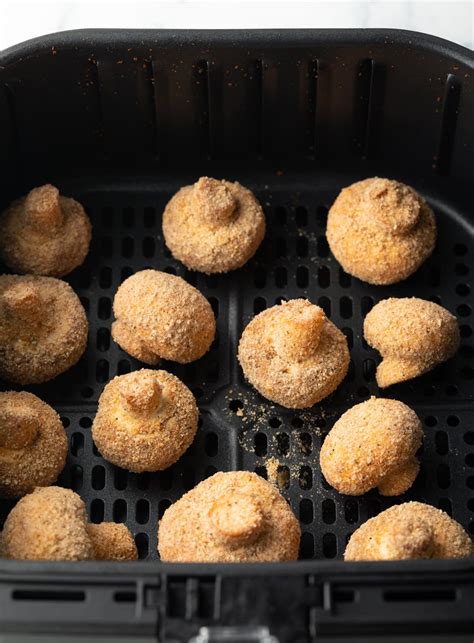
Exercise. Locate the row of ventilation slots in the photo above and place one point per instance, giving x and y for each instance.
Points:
(283, 446)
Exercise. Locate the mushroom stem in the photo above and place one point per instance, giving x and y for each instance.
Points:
(237, 519)
(297, 336)
(23, 302)
(141, 393)
(394, 205)
(18, 428)
(43, 208)
(213, 202)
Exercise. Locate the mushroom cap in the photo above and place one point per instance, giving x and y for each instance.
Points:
(407, 531)
(112, 541)
(412, 335)
(44, 233)
(162, 316)
(145, 420)
(230, 517)
(213, 226)
(48, 524)
(33, 444)
(43, 328)
(380, 230)
(373, 444)
(293, 355)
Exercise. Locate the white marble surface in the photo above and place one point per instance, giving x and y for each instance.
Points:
(20, 20)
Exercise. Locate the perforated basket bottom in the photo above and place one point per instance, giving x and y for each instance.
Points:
(238, 428)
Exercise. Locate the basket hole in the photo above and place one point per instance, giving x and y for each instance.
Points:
(443, 476)
(373, 507)
(282, 443)
(98, 477)
(463, 290)
(280, 215)
(470, 482)
(77, 444)
(107, 217)
(441, 443)
(76, 477)
(322, 247)
(305, 443)
(345, 307)
(325, 304)
(87, 392)
(211, 444)
(103, 340)
(461, 269)
(368, 369)
(125, 273)
(306, 511)
(305, 478)
(97, 511)
(436, 299)
(274, 422)
(142, 511)
(280, 247)
(281, 277)
(329, 546)
(260, 444)
(322, 216)
(143, 481)
(148, 247)
(236, 405)
(102, 371)
(259, 304)
(165, 479)
(345, 280)
(301, 216)
(302, 246)
(460, 249)
(328, 511)
(431, 421)
(128, 217)
(105, 277)
(469, 437)
(128, 247)
(119, 511)
(163, 506)
(148, 217)
(125, 597)
(452, 420)
(261, 471)
(259, 277)
(463, 310)
(104, 308)
(366, 305)
(307, 546)
(467, 351)
(302, 276)
(445, 505)
(120, 479)
(324, 277)
(351, 511)
(141, 541)
(85, 278)
(465, 330)
(85, 303)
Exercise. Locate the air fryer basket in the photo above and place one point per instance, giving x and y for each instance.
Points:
(122, 119)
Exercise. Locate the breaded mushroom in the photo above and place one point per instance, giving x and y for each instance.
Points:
(51, 524)
(43, 328)
(230, 517)
(411, 530)
(293, 355)
(33, 444)
(213, 226)
(112, 541)
(145, 420)
(373, 444)
(380, 230)
(162, 316)
(48, 524)
(44, 233)
(412, 335)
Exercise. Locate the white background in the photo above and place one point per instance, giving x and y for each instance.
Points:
(20, 20)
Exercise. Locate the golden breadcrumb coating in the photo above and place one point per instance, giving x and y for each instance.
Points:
(145, 420)
(44, 233)
(112, 541)
(293, 355)
(409, 530)
(43, 328)
(213, 226)
(412, 335)
(33, 444)
(230, 517)
(373, 444)
(162, 316)
(48, 524)
(380, 230)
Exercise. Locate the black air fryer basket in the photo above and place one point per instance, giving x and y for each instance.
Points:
(120, 120)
